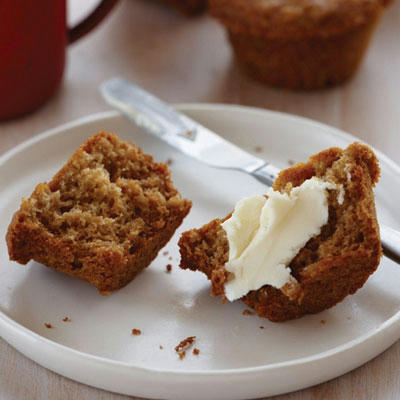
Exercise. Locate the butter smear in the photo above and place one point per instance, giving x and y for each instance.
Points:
(264, 235)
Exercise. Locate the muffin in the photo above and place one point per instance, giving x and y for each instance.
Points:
(299, 44)
(187, 7)
(102, 218)
(332, 264)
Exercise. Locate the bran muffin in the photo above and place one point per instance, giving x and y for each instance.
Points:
(299, 44)
(102, 218)
(331, 265)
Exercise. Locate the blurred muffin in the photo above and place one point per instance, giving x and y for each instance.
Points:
(299, 44)
(187, 7)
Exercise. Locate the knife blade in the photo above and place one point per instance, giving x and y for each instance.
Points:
(197, 141)
(181, 132)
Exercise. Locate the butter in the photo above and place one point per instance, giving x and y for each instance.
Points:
(264, 235)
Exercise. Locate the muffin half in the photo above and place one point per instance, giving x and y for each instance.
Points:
(102, 218)
(333, 263)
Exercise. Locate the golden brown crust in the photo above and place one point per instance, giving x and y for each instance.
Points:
(102, 218)
(299, 44)
(332, 265)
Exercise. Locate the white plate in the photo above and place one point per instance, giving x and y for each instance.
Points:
(237, 359)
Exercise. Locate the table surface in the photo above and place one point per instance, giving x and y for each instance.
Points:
(189, 60)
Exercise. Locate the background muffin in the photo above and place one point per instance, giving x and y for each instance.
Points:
(299, 44)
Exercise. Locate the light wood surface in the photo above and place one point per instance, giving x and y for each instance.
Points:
(189, 60)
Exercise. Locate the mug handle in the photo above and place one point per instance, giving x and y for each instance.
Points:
(93, 19)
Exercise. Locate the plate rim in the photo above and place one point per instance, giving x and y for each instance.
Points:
(18, 330)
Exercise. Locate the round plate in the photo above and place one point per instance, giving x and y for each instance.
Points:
(237, 359)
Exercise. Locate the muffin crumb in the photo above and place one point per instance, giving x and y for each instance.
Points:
(189, 134)
(48, 326)
(136, 332)
(169, 268)
(247, 312)
(66, 319)
(184, 345)
(196, 351)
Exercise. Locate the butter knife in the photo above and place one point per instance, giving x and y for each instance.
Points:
(197, 141)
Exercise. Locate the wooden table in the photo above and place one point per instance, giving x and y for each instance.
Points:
(188, 60)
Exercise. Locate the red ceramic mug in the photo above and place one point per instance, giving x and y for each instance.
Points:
(33, 38)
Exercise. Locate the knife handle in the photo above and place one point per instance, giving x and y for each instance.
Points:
(146, 110)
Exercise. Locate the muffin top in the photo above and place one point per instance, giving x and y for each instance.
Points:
(295, 18)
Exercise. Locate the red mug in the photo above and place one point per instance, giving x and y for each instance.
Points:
(33, 38)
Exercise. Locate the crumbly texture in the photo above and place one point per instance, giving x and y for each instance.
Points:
(102, 218)
(187, 7)
(330, 266)
(136, 332)
(299, 44)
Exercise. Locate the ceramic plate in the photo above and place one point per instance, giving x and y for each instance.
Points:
(237, 358)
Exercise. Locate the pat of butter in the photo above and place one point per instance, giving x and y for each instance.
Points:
(264, 235)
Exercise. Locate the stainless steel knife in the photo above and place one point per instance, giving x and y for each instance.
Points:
(195, 140)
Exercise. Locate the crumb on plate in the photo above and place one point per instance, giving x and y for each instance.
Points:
(136, 332)
(184, 345)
